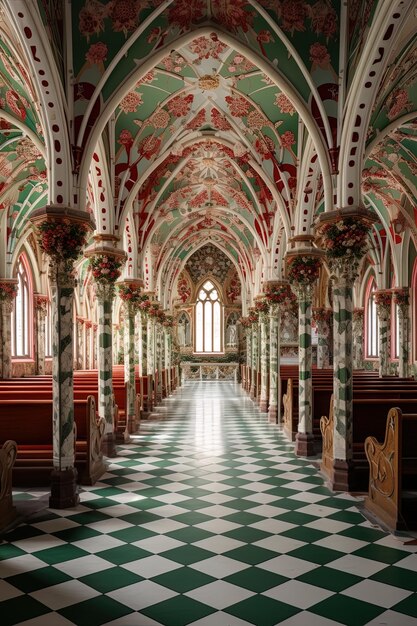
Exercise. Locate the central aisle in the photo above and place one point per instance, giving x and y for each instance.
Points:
(208, 519)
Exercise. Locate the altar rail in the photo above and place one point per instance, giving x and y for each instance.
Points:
(209, 371)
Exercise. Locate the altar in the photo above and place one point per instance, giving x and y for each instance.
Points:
(209, 371)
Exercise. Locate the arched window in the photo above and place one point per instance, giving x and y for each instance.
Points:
(208, 319)
(372, 326)
(22, 313)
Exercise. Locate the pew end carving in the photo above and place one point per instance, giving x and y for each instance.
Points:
(8, 454)
(327, 428)
(287, 403)
(392, 494)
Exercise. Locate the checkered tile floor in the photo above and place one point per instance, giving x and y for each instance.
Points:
(208, 519)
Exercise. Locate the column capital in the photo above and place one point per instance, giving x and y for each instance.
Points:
(401, 297)
(40, 302)
(8, 290)
(383, 300)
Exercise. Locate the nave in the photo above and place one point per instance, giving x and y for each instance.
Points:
(207, 518)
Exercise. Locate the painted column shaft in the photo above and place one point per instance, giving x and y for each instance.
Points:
(129, 358)
(105, 294)
(305, 387)
(358, 333)
(263, 401)
(403, 348)
(342, 369)
(253, 389)
(144, 338)
(40, 339)
(274, 365)
(6, 308)
(383, 340)
(323, 346)
(62, 291)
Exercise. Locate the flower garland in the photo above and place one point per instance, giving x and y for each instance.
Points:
(303, 270)
(130, 293)
(253, 316)
(383, 298)
(262, 306)
(8, 291)
(281, 294)
(153, 310)
(320, 314)
(168, 321)
(62, 238)
(401, 297)
(358, 315)
(144, 303)
(245, 321)
(346, 237)
(105, 268)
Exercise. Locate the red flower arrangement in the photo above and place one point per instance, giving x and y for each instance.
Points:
(262, 306)
(8, 291)
(168, 321)
(105, 268)
(281, 294)
(153, 310)
(401, 297)
(130, 293)
(253, 316)
(245, 321)
(144, 303)
(383, 298)
(347, 237)
(320, 314)
(358, 314)
(303, 270)
(63, 239)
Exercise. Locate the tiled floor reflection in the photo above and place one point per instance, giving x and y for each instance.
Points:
(208, 519)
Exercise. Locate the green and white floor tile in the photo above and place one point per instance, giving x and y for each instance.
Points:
(209, 519)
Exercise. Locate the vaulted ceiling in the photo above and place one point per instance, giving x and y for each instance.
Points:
(207, 122)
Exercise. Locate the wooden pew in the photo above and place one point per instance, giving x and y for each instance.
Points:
(392, 495)
(7, 460)
(368, 420)
(29, 423)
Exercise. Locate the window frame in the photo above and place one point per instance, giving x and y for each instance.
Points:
(371, 321)
(212, 302)
(24, 299)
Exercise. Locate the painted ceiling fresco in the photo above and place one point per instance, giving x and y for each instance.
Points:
(199, 122)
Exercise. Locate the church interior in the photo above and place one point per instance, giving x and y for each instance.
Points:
(208, 312)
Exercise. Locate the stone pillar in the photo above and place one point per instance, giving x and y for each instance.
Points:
(105, 264)
(62, 234)
(129, 366)
(8, 292)
(144, 340)
(94, 347)
(383, 305)
(167, 358)
(79, 324)
(248, 332)
(264, 327)
(401, 299)
(322, 317)
(333, 229)
(40, 306)
(303, 268)
(158, 359)
(255, 352)
(304, 441)
(274, 411)
(88, 353)
(358, 335)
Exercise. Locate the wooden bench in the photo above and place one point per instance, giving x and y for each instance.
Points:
(392, 495)
(7, 460)
(368, 420)
(29, 423)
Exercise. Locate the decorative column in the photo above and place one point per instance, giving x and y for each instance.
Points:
(303, 268)
(79, 329)
(248, 332)
(168, 325)
(94, 347)
(383, 307)
(262, 307)
(401, 300)
(88, 354)
(8, 292)
(278, 294)
(358, 335)
(40, 306)
(130, 293)
(105, 264)
(62, 235)
(322, 317)
(335, 229)
(253, 318)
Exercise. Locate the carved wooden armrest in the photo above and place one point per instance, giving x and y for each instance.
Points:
(8, 454)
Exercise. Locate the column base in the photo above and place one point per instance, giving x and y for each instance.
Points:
(132, 424)
(64, 489)
(252, 393)
(304, 444)
(341, 477)
(263, 406)
(273, 414)
(108, 445)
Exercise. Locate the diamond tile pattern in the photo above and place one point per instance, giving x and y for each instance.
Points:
(207, 518)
